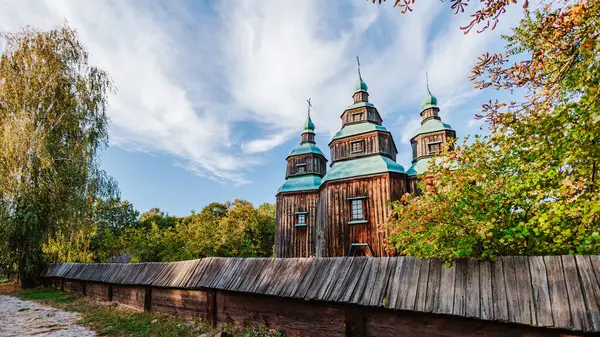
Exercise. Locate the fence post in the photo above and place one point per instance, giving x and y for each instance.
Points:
(211, 307)
(110, 292)
(355, 321)
(148, 298)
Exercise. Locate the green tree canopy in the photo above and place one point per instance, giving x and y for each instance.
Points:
(531, 186)
(52, 128)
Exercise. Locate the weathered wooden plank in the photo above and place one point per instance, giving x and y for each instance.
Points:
(302, 274)
(460, 288)
(380, 282)
(446, 298)
(292, 276)
(512, 297)
(485, 290)
(354, 276)
(395, 283)
(433, 287)
(230, 273)
(579, 317)
(321, 276)
(410, 283)
(195, 275)
(590, 289)
(279, 276)
(267, 274)
(473, 292)
(358, 294)
(333, 274)
(338, 287)
(541, 294)
(557, 289)
(304, 287)
(254, 275)
(499, 292)
(524, 290)
(423, 284)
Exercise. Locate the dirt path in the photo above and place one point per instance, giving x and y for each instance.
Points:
(25, 318)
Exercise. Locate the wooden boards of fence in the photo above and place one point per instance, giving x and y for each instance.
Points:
(549, 291)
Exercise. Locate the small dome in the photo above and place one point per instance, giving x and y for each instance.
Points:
(360, 85)
(429, 101)
(309, 125)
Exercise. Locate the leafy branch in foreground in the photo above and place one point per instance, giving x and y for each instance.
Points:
(531, 186)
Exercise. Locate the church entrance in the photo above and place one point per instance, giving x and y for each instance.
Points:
(360, 249)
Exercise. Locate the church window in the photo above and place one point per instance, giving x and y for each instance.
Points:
(360, 249)
(358, 211)
(357, 146)
(435, 147)
(300, 219)
(301, 167)
(357, 117)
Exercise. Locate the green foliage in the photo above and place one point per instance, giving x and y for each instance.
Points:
(234, 229)
(531, 186)
(52, 128)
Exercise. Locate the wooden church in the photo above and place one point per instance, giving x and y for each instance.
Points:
(336, 211)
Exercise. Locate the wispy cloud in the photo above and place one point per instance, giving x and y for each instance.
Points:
(188, 73)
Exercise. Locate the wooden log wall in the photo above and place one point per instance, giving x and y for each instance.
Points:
(290, 240)
(336, 234)
(360, 296)
(313, 163)
(424, 139)
(375, 142)
(361, 114)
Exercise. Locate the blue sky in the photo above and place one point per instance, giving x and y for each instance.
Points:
(212, 94)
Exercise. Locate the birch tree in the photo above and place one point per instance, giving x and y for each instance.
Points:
(53, 126)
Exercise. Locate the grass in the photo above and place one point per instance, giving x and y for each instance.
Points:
(108, 319)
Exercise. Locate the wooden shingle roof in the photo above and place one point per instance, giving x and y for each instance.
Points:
(551, 291)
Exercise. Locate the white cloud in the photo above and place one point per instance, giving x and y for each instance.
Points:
(186, 78)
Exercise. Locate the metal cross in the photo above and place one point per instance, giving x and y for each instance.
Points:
(358, 61)
(309, 105)
(427, 79)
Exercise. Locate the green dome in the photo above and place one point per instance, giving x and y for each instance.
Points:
(429, 101)
(306, 148)
(432, 125)
(360, 85)
(362, 167)
(307, 182)
(309, 125)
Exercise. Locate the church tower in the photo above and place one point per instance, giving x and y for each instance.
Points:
(428, 140)
(297, 197)
(362, 177)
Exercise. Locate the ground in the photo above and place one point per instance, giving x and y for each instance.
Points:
(49, 312)
(26, 318)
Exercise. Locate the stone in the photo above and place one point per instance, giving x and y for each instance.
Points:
(154, 321)
(222, 334)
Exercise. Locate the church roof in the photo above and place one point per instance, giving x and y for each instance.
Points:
(432, 125)
(305, 182)
(360, 105)
(361, 167)
(360, 84)
(422, 165)
(357, 129)
(419, 167)
(306, 148)
(429, 101)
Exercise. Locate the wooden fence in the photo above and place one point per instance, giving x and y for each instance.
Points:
(359, 296)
